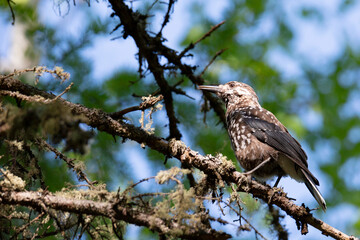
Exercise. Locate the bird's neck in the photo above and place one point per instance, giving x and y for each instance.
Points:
(244, 102)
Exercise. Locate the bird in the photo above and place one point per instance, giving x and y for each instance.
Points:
(262, 144)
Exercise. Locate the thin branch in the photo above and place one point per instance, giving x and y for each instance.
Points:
(36, 165)
(218, 53)
(12, 11)
(22, 228)
(65, 91)
(167, 16)
(257, 232)
(192, 45)
(188, 71)
(135, 26)
(176, 90)
(275, 221)
(23, 97)
(70, 162)
(238, 212)
(147, 44)
(135, 184)
(57, 72)
(6, 176)
(112, 210)
(209, 165)
(149, 102)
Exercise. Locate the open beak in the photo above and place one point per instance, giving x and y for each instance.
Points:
(210, 88)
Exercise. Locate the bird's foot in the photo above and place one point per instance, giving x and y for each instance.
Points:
(258, 166)
(249, 177)
(278, 190)
(246, 185)
(248, 173)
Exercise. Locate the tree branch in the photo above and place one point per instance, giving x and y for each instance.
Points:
(135, 27)
(192, 45)
(147, 103)
(112, 210)
(148, 45)
(167, 16)
(210, 165)
(12, 11)
(70, 162)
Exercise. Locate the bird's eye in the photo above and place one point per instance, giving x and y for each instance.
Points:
(231, 84)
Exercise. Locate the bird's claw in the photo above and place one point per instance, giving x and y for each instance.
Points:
(278, 190)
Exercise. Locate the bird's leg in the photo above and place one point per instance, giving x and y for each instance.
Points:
(276, 189)
(258, 166)
(277, 181)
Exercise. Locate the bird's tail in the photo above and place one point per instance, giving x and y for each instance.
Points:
(314, 190)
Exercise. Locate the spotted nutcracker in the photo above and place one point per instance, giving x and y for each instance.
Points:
(262, 145)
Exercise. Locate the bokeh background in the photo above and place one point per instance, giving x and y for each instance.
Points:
(301, 57)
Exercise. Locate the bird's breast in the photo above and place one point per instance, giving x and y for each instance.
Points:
(250, 152)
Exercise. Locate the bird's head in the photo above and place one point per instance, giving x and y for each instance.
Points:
(234, 94)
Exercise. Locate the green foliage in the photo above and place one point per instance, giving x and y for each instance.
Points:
(330, 90)
(329, 93)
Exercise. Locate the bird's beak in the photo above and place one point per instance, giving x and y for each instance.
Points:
(210, 88)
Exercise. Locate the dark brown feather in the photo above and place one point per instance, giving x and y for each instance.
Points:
(260, 140)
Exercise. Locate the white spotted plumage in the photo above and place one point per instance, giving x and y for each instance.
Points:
(258, 137)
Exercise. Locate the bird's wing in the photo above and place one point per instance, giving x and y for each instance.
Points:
(274, 136)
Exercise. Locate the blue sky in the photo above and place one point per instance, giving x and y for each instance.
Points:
(316, 42)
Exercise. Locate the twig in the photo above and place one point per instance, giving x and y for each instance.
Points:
(146, 44)
(46, 234)
(218, 53)
(12, 11)
(57, 72)
(242, 217)
(6, 176)
(275, 221)
(176, 90)
(65, 91)
(192, 45)
(108, 209)
(167, 16)
(239, 212)
(103, 122)
(135, 184)
(151, 6)
(35, 161)
(17, 72)
(149, 102)
(135, 26)
(149, 195)
(22, 228)
(70, 162)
